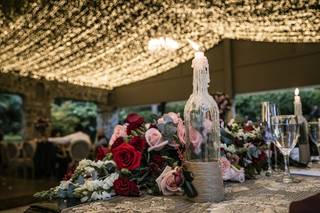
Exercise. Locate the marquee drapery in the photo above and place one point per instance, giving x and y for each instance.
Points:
(103, 43)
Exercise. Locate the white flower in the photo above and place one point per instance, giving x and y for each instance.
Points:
(89, 170)
(99, 164)
(105, 195)
(84, 199)
(231, 148)
(108, 182)
(64, 184)
(95, 196)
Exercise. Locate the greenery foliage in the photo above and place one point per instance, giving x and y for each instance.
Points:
(65, 116)
(249, 106)
(10, 114)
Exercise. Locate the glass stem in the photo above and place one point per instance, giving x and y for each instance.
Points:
(275, 158)
(269, 158)
(286, 166)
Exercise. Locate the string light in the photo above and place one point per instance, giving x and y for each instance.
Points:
(113, 43)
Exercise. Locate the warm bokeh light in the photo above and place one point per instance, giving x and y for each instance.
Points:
(105, 44)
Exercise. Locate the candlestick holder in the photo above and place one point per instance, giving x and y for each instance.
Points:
(201, 116)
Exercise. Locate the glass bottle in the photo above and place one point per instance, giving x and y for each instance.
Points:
(303, 141)
(201, 114)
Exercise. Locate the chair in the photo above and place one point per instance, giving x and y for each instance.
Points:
(14, 162)
(79, 150)
(4, 158)
(29, 149)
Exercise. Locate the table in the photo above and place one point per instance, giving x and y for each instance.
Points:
(263, 194)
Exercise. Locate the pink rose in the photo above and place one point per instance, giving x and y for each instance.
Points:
(229, 172)
(153, 138)
(170, 180)
(119, 131)
(207, 124)
(161, 120)
(195, 139)
(225, 165)
(174, 117)
(181, 131)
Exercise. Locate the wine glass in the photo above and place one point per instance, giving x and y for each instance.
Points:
(267, 111)
(285, 129)
(314, 132)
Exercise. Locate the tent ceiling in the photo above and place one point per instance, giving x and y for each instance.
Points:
(104, 44)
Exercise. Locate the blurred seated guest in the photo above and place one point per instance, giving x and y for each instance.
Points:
(63, 158)
(44, 158)
(68, 139)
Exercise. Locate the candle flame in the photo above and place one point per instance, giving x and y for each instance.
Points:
(296, 91)
(194, 45)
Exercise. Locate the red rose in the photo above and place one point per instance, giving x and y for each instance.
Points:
(138, 143)
(248, 127)
(117, 142)
(134, 121)
(125, 187)
(126, 156)
(261, 158)
(101, 152)
(70, 172)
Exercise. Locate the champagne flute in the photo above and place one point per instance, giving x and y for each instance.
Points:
(285, 129)
(314, 131)
(267, 111)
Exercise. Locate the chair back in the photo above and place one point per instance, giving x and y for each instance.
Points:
(12, 151)
(79, 150)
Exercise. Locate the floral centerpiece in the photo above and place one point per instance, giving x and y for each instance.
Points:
(141, 158)
(243, 146)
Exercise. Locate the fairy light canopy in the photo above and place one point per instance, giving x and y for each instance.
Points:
(104, 44)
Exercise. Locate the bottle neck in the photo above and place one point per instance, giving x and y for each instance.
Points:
(298, 110)
(201, 76)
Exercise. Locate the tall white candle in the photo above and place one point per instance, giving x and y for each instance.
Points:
(297, 103)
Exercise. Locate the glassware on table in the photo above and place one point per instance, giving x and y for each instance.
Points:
(285, 129)
(267, 111)
(314, 133)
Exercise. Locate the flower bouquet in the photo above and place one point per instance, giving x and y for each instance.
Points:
(243, 146)
(141, 159)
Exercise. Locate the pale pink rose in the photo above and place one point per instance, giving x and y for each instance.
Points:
(161, 120)
(195, 139)
(174, 117)
(225, 165)
(207, 124)
(229, 172)
(119, 131)
(170, 180)
(153, 138)
(181, 131)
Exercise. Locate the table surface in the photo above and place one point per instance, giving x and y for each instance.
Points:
(263, 194)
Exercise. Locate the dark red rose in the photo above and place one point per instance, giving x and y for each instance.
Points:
(134, 121)
(125, 187)
(70, 172)
(248, 128)
(238, 142)
(126, 156)
(138, 143)
(262, 157)
(159, 160)
(117, 142)
(101, 152)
